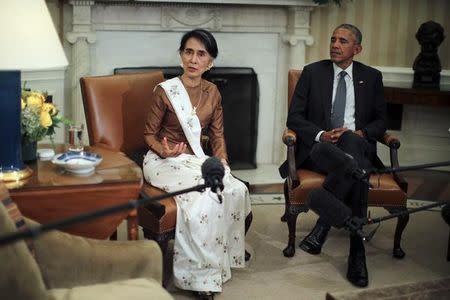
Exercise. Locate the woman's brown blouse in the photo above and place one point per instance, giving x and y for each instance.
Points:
(162, 120)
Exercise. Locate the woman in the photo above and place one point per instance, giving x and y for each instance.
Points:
(210, 237)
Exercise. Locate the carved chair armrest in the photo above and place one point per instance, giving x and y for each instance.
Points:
(394, 144)
(152, 205)
(390, 140)
(290, 139)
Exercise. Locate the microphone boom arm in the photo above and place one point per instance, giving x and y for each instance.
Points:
(131, 204)
(378, 221)
(410, 168)
(405, 212)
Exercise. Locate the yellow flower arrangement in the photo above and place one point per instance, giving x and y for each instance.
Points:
(39, 118)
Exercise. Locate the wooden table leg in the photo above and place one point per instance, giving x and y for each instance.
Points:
(132, 225)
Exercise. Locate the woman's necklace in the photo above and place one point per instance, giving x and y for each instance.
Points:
(194, 107)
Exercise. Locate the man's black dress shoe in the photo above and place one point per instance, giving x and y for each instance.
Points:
(357, 269)
(313, 242)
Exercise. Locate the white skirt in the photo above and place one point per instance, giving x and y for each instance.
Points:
(210, 236)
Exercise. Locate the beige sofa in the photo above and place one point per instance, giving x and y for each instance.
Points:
(70, 267)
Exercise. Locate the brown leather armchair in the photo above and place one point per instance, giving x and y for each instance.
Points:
(116, 107)
(389, 190)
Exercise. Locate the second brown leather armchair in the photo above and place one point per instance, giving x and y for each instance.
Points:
(389, 190)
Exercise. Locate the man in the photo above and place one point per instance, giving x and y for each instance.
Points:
(339, 101)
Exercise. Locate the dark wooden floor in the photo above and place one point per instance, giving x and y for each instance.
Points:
(422, 185)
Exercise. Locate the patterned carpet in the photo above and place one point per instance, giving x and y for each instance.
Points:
(269, 275)
(278, 199)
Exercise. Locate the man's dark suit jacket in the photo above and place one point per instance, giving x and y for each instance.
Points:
(310, 110)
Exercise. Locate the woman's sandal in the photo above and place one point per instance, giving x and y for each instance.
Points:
(205, 295)
(247, 255)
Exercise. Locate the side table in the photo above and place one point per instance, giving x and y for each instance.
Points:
(416, 96)
(52, 194)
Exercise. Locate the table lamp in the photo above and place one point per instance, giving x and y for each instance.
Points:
(28, 42)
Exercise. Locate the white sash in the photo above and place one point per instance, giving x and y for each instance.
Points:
(181, 103)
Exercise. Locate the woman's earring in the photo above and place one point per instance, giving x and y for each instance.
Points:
(210, 66)
(181, 64)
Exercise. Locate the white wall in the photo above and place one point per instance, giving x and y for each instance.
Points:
(271, 39)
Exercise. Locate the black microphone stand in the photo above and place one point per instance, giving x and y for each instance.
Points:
(369, 220)
(132, 204)
(363, 175)
(409, 168)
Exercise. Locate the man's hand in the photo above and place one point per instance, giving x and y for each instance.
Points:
(332, 136)
(175, 151)
(360, 133)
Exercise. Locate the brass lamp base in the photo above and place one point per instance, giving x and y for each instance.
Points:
(15, 176)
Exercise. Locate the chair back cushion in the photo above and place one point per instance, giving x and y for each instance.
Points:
(116, 107)
(293, 77)
(20, 277)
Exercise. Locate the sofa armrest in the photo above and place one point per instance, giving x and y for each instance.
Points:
(67, 260)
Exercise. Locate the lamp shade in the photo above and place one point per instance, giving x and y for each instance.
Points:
(28, 42)
(28, 37)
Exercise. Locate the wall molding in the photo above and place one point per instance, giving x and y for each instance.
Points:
(51, 74)
(234, 2)
(403, 77)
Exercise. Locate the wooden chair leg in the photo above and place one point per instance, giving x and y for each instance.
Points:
(163, 242)
(166, 263)
(291, 219)
(286, 199)
(113, 236)
(248, 221)
(448, 247)
(402, 221)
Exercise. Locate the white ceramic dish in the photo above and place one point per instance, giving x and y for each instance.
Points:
(45, 154)
(78, 163)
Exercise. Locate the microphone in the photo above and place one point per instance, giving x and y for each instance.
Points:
(334, 212)
(331, 159)
(213, 172)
